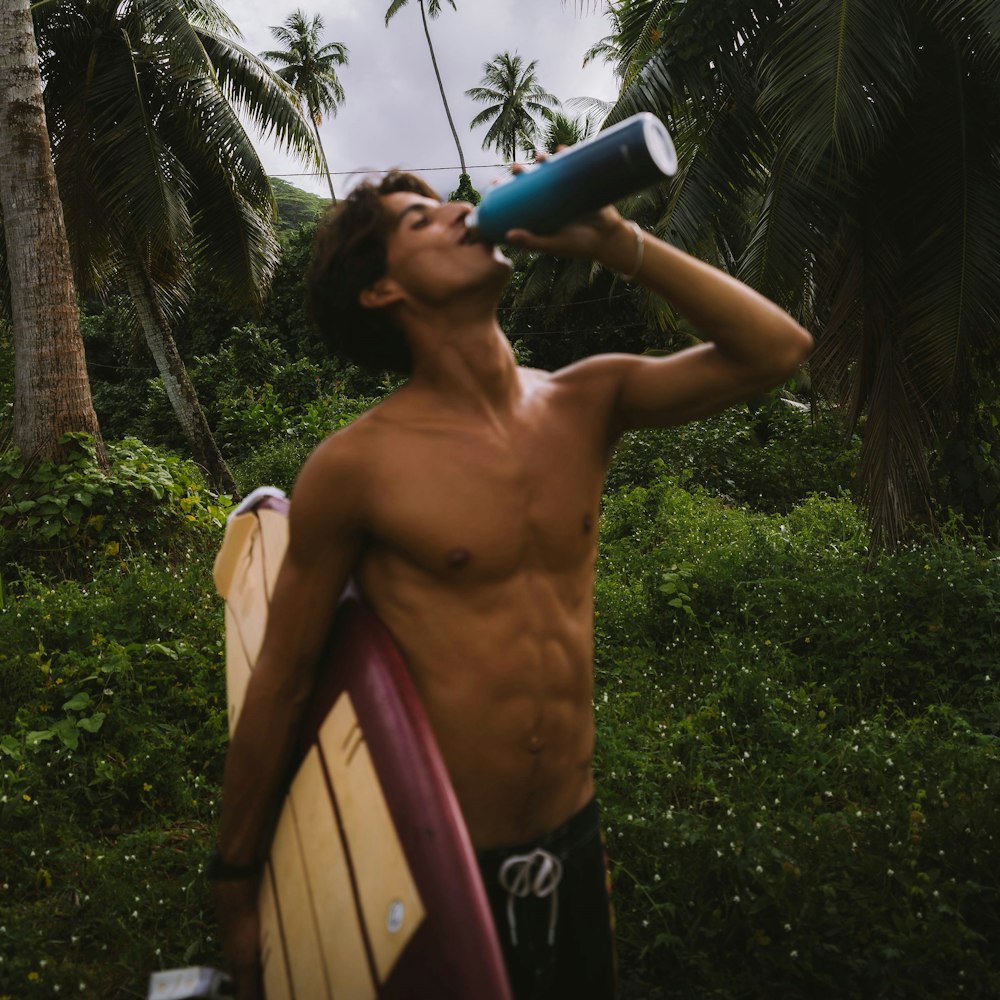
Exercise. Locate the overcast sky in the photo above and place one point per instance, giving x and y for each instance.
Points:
(392, 114)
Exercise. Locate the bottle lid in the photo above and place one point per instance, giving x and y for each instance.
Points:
(659, 144)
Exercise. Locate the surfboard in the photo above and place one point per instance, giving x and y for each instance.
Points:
(371, 888)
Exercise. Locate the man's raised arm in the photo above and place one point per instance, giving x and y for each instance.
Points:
(751, 344)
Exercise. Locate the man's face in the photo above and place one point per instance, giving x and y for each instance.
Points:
(429, 253)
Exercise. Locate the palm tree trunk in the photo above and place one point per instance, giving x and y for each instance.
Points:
(326, 164)
(437, 73)
(51, 385)
(177, 383)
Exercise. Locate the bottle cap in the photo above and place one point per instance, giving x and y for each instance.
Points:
(661, 149)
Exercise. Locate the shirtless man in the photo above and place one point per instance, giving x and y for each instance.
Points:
(466, 506)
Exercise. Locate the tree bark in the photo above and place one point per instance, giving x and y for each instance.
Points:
(437, 73)
(326, 163)
(51, 386)
(177, 382)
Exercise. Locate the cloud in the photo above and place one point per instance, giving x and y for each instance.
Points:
(393, 115)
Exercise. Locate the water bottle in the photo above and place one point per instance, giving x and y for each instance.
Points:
(611, 165)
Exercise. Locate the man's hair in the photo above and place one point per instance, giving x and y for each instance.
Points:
(349, 254)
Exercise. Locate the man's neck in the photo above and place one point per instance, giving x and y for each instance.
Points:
(467, 363)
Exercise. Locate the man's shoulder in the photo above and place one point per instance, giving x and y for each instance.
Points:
(588, 371)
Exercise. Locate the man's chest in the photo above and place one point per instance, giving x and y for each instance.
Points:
(490, 504)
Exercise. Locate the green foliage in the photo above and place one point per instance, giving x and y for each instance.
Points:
(794, 178)
(796, 756)
(465, 191)
(112, 730)
(296, 207)
(769, 457)
(797, 742)
(270, 411)
(515, 99)
(796, 750)
(967, 463)
(60, 517)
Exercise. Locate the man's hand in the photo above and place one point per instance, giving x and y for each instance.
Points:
(239, 926)
(602, 236)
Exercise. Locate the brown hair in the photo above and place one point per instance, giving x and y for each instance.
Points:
(349, 254)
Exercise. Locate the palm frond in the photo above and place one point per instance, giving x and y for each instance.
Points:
(791, 221)
(591, 107)
(434, 7)
(837, 77)
(394, 8)
(973, 26)
(208, 15)
(267, 101)
(951, 287)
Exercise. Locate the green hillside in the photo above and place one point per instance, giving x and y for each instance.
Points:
(295, 206)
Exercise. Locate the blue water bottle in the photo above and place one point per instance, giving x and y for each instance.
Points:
(611, 165)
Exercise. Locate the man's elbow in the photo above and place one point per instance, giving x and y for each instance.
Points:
(796, 346)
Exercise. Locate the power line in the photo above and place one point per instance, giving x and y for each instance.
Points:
(385, 170)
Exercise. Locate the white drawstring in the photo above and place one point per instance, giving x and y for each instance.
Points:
(534, 874)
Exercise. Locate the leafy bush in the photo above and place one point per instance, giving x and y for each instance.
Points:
(797, 750)
(112, 736)
(60, 516)
(768, 458)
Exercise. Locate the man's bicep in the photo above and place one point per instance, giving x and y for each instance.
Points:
(693, 383)
(323, 547)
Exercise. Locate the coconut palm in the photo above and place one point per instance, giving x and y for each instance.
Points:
(515, 97)
(156, 170)
(310, 68)
(561, 130)
(433, 8)
(842, 157)
(634, 38)
(51, 387)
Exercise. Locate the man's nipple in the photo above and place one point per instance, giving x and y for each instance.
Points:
(457, 558)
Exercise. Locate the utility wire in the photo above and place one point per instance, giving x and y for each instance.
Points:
(385, 170)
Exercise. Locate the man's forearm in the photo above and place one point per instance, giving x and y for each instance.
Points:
(257, 765)
(743, 324)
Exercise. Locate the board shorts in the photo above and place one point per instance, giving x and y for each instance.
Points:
(551, 903)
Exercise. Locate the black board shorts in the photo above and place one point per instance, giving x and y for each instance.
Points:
(551, 903)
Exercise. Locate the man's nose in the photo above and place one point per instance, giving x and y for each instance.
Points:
(457, 210)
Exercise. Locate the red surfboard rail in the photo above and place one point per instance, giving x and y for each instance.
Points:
(455, 953)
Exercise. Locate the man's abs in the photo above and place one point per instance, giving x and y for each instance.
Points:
(505, 672)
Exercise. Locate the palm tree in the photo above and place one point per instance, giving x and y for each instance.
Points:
(842, 157)
(514, 96)
(433, 8)
(156, 170)
(51, 386)
(561, 130)
(310, 68)
(634, 38)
